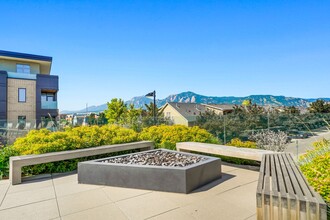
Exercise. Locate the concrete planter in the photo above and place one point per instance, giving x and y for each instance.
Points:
(160, 178)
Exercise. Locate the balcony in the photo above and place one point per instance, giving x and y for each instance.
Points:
(49, 105)
(22, 75)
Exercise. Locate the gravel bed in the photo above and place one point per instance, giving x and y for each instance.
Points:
(157, 158)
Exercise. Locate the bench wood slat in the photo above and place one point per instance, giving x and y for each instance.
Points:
(285, 192)
(282, 189)
(274, 193)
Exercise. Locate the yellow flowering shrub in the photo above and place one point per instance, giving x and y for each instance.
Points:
(166, 136)
(315, 165)
(236, 142)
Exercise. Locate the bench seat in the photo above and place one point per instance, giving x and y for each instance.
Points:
(16, 163)
(229, 151)
(283, 192)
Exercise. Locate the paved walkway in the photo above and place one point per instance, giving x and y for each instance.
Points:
(61, 197)
(307, 143)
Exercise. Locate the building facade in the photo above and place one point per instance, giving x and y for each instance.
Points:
(187, 113)
(28, 93)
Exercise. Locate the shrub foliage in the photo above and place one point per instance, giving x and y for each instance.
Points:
(45, 141)
(315, 166)
(166, 136)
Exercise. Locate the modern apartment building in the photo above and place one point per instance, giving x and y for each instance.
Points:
(28, 93)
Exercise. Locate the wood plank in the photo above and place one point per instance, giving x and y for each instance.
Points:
(274, 192)
(283, 200)
(217, 149)
(266, 190)
(292, 203)
(284, 191)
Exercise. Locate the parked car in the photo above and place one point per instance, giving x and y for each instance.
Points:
(295, 134)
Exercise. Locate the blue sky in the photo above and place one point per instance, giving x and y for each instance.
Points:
(107, 49)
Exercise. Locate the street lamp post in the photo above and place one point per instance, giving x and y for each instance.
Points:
(153, 94)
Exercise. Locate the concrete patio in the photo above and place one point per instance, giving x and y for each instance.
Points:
(59, 196)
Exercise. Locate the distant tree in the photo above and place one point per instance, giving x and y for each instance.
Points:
(291, 110)
(319, 106)
(148, 116)
(254, 109)
(150, 110)
(116, 111)
(133, 116)
(92, 119)
(247, 102)
(101, 119)
(270, 140)
(238, 109)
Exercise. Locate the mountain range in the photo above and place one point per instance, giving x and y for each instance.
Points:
(191, 97)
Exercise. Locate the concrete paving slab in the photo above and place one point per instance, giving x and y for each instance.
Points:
(72, 187)
(4, 182)
(30, 185)
(65, 178)
(181, 199)
(232, 197)
(3, 191)
(109, 211)
(81, 201)
(243, 196)
(146, 206)
(27, 197)
(117, 193)
(173, 214)
(230, 180)
(215, 208)
(253, 217)
(227, 169)
(35, 211)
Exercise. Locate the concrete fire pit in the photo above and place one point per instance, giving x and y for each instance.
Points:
(161, 170)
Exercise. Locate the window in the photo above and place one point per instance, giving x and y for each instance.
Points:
(21, 95)
(48, 97)
(168, 114)
(21, 122)
(23, 68)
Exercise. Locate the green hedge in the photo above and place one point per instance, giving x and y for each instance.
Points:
(166, 136)
(44, 141)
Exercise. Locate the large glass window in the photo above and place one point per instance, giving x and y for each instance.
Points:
(23, 68)
(21, 122)
(48, 97)
(21, 95)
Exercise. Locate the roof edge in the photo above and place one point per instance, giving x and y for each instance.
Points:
(25, 56)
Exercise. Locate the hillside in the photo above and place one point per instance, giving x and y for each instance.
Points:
(191, 97)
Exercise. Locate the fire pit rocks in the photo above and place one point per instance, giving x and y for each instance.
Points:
(162, 170)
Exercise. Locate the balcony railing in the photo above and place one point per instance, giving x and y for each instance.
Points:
(49, 105)
(22, 75)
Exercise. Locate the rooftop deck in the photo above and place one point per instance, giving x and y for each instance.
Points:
(59, 196)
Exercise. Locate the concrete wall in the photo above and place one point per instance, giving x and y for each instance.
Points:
(176, 117)
(10, 66)
(16, 108)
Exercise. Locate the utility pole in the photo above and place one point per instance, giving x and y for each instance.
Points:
(224, 130)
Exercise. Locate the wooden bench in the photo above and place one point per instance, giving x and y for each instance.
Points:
(16, 163)
(216, 149)
(283, 192)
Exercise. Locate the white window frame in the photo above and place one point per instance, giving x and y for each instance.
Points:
(20, 98)
(23, 68)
